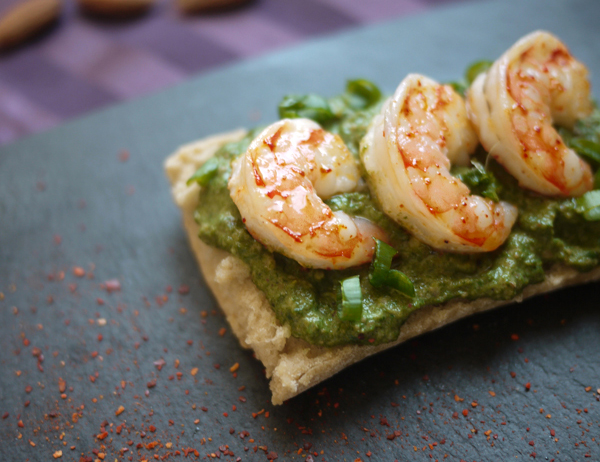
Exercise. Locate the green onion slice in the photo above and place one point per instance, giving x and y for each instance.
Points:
(597, 180)
(205, 172)
(365, 91)
(586, 148)
(381, 263)
(478, 180)
(459, 87)
(382, 274)
(477, 68)
(310, 106)
(400, 282)
(351, 300)
(589, 205)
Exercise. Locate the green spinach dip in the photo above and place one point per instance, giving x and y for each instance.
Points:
(549, 231)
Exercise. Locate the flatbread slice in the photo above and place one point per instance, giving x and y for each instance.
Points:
(292, 364)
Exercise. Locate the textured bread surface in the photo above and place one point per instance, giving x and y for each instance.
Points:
(293, 365)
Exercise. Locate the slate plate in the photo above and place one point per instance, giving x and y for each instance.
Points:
(73, 352)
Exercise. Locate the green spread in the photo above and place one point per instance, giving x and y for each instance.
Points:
(548, 231)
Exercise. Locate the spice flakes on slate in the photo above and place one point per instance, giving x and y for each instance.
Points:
(146, 407)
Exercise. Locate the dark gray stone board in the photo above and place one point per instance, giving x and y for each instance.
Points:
(116, 220)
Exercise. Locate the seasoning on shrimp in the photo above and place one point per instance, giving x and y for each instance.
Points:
(513, 105)
(279, 186)
(407, 154)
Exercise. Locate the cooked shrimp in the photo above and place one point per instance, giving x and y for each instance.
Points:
(406, 155)
(279, 186)
(513, 105)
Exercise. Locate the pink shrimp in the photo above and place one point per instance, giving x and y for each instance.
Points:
(514, 104)
(279, 186)
(407, 154)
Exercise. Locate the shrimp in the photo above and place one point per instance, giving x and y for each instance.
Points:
(513, 105)
(406, 156)
(279, 186)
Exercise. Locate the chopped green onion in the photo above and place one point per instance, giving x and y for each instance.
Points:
(381, 263)
(587, 149)
(351, 300)
(589, 127)
(205, 172)
(459, 87)
(589, 205)
(566, 135)
(310, 106)
(475, 69)
(478, 180)
(381, 274)
(365, 93)
(400, 282)
(597, 180)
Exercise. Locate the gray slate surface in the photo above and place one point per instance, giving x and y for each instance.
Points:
(119, 217)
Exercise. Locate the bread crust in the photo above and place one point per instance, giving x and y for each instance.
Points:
(292, 364)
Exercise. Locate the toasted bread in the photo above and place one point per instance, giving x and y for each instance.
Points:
(292, 364)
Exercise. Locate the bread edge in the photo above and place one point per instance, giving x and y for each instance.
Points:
(292, 364)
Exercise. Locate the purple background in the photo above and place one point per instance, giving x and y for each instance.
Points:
(83, 63)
